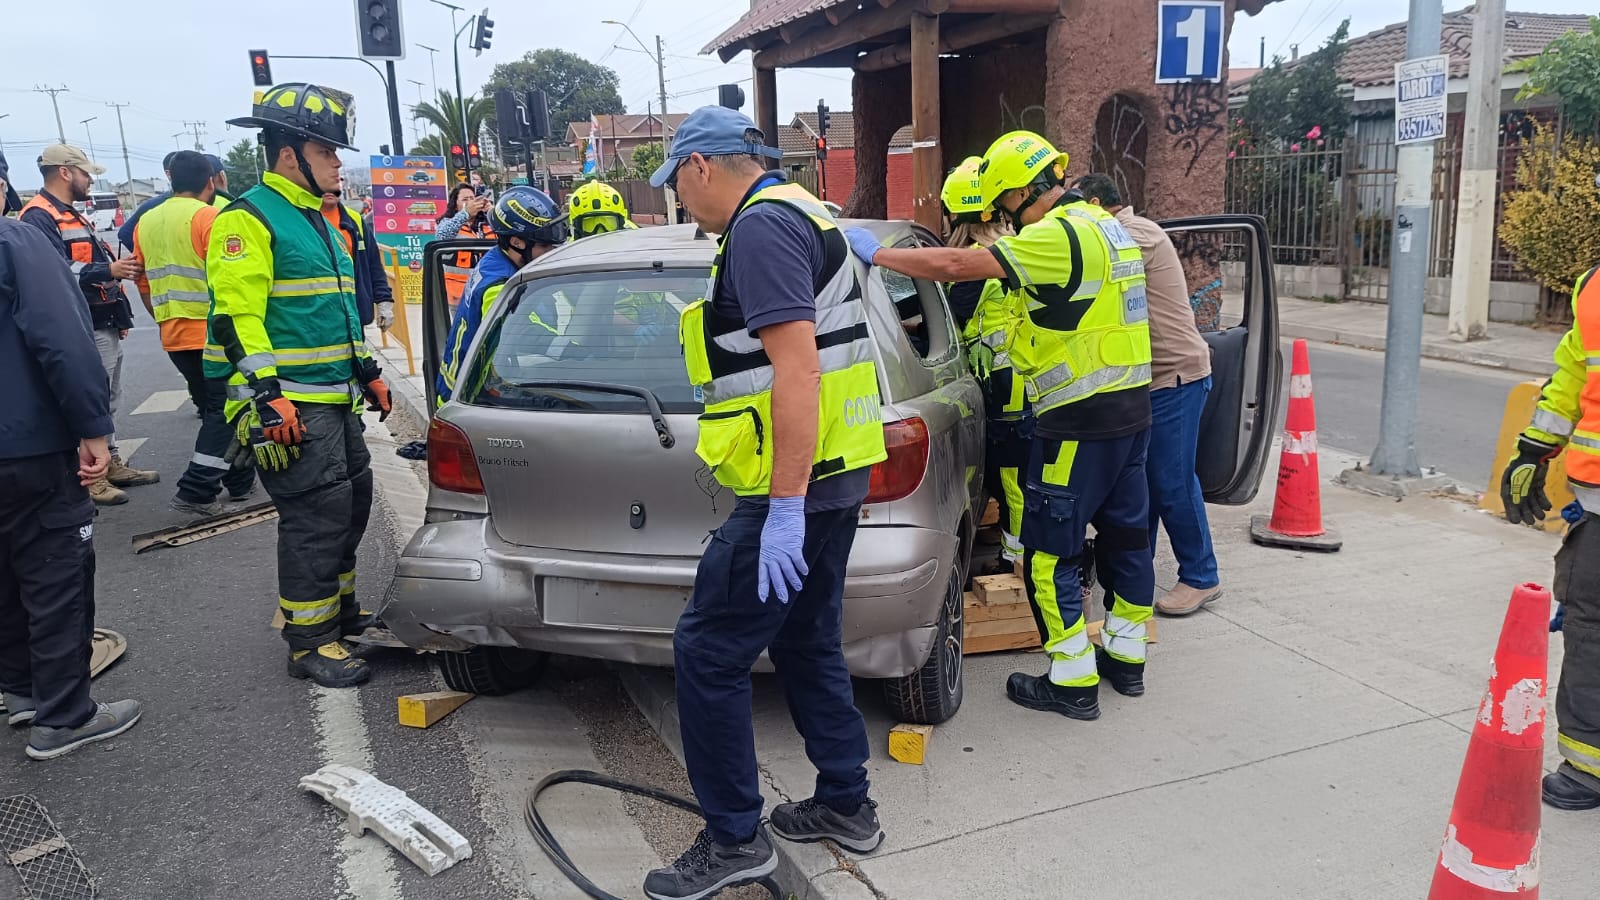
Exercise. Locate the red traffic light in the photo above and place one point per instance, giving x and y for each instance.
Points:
(455, 148)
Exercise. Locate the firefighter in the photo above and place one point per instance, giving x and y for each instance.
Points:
(1083, 349)
(596, 208)
(527, 225)
(1568, 418)
(286, 334)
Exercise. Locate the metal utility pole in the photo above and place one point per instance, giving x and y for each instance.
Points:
(1480, 165)
(1396, 454)
(61, 130)
(666, 130)
(88, 133)
(416, 120)
(461, 98)
(197, 126)
(127, 165)
(432, 52)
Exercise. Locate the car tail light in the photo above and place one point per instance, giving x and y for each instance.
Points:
(452, 464)
(899, 475)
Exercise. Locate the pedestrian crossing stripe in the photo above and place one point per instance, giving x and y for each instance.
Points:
(162, 402)
(127, 447)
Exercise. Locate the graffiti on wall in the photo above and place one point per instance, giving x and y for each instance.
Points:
(1026, 118)
(1196, 115)
(1121, 140)
(1202, 253)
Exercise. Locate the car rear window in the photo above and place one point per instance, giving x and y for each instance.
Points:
(612, 328)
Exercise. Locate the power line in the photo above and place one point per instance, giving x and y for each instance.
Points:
(1313, 29)
(1305, 8)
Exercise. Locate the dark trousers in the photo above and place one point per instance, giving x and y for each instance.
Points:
(1577, 585)
(1071, 485)
(190, 365)
(1175, 497)
(208, 470)
(720, 636)
(324, 500)
(1008, 444)
(46, 586)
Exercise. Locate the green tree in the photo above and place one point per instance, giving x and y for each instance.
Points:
(1570, 69)
(575, 87)
(1552, 217)
(243, 165)
(445, 116)
(647, 158)
(1288, 103)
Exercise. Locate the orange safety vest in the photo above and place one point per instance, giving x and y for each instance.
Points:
(78, 235)
(1583, 449)
(455, 277)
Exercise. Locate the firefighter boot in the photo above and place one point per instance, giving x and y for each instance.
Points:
(123, 475)
(330, 665)
(1040, 693)
(1125, 678)
(103, 494)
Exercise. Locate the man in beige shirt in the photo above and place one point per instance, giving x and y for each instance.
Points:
(1180, 381)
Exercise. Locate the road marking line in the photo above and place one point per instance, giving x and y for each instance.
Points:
(127, 447)
(367, 863)
(162, 401)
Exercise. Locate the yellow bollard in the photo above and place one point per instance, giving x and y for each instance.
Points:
(1519, 411)
(400, 286)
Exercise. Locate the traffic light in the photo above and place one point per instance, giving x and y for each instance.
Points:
(822, 149)
(508, 121)
(472, 156)
(483, 34)
(378, 25)
(823, 117)
(538, 116)
(730, 95)
(260, 68)
(458, 157)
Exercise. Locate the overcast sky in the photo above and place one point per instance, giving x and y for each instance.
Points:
(184, 61)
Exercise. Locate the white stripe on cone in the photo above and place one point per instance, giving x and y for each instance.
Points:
(1457, 859)
(1299, 387)
(1303, 443)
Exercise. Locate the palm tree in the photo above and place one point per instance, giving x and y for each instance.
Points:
(445, 114)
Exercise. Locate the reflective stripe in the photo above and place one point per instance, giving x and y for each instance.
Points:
(210, 462)
(1128, 268)
(315, 355)
(77, 233)
(1124, 640)
(240, 392)
(213, 353)
(1082, 387)
(173, 269)
(829, 319)
(1072, 659)
(1581, 755)
(162, 297)
(1584, 440)
(760, 380)
(1458, 859)
(995, 339)
(310, 612)
(255, 362)
(1591, 361)
(320, 390)
(76, 267)
(347, 583)
(305, 287)
(1552, 423)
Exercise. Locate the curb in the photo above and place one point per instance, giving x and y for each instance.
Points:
(1431, 350)
(805, 871)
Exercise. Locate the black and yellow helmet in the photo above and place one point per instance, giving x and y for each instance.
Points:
(304, 111)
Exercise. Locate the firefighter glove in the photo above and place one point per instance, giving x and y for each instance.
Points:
(268, 454)
(374, 389)
(279, 419)
(239, 455)
(1522, 486)
(981, 358)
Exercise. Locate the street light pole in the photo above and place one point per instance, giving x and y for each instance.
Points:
(666, 129)
(461, 97)
(432, 52)
(416, 120)
(89, 133)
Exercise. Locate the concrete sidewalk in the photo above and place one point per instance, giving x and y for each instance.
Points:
(1515, 347)
(407, 387)
(1302, 737)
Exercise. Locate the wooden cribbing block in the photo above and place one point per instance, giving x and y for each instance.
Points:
(422, 710)
(991, 514)
(277, 619)
(909, 743)
(995, 590)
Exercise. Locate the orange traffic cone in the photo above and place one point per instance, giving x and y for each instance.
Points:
(1491, 846)
(1297, 508)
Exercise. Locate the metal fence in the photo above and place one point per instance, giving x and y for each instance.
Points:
(1333, 205)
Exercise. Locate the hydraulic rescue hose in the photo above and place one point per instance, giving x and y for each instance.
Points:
(552, 847)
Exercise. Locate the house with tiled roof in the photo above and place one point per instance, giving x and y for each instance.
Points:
(616, 137)
(835, 177)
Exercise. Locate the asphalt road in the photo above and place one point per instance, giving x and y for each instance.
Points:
(1458, 414)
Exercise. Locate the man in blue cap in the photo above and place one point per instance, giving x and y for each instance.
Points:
(784, 327)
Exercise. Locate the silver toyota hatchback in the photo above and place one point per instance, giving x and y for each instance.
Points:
(568, 510)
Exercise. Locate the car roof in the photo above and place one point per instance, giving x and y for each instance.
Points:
(674, 246)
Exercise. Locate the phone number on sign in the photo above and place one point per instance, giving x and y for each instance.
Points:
(1420, 128)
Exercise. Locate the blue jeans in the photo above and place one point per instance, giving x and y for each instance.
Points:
(1175, 497)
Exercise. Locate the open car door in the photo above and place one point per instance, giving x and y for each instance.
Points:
(442, 284)
(1227, 262)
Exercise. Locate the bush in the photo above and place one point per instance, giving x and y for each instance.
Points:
(1552, 219)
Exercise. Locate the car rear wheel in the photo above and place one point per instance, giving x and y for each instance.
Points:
(492, 670)
(932, 694)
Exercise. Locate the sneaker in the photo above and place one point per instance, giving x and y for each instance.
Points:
(103, 494)
(198, 510)
(108, 721)
(707, 867)
(1125, 678)
(19, 709)
(1184, 600)
(1040, 693)
(123, 475)
(1563, 791)
(812, 820)
(330, 665)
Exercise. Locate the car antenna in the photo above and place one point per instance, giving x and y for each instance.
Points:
(700, 234)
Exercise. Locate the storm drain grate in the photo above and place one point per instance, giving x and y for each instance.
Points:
(49, 867)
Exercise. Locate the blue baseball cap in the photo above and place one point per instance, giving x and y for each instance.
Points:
(714, 131)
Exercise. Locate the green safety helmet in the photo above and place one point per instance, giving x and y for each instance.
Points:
(303, 111)
(1017, 160)
(963, 192)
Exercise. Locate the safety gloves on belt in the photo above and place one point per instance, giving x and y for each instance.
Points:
(375, 389)
(783, 537)
(863, 243)
(251, 438)
(280, 420)
(1522, 486)
(981, 357)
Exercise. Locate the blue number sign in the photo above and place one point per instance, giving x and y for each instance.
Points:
(1189, 45)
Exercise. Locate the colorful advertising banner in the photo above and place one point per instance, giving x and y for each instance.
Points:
(409, 194)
